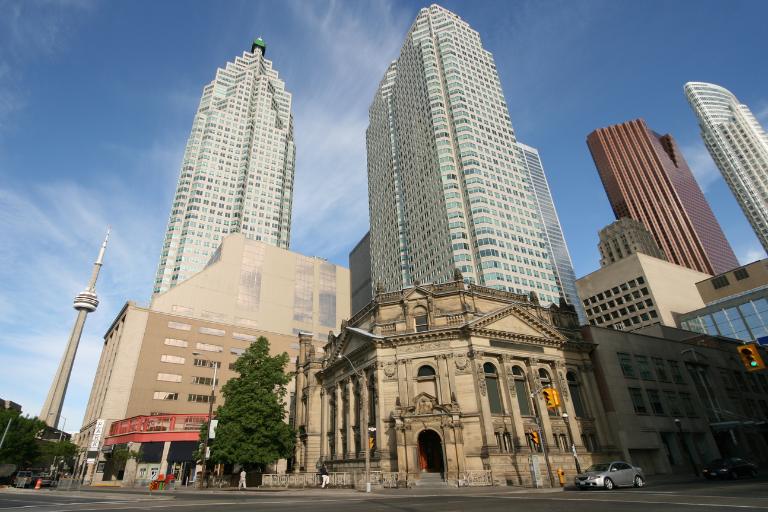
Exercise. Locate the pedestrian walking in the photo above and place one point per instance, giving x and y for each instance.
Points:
(241, 485)
(325, 476)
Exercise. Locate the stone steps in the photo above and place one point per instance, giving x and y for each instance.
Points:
(431, 481)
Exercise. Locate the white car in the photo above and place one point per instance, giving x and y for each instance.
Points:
(609, 475)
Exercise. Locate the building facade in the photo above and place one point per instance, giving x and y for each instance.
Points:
(153, 382)
(238, 168)
(637, 291)
(625, 237)
(736, 304)
(739, 146)
(445, 187)
(553, 232)
(451, 373)
(360, 274)
(675, 399)
(646, 178)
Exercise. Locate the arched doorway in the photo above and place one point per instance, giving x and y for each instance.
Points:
(430, 452)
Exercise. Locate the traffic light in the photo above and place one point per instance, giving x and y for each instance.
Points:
(535, 438)
(551, 397)
(371, 442)
(750, 356)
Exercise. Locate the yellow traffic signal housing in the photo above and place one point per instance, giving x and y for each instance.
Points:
(551, 397)
(750, 356)
(535, 438)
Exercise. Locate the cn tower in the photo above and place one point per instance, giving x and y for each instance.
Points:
(86, 302)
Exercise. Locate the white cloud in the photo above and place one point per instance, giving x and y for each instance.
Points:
(330, 211)
(750, 253)
(701, 164)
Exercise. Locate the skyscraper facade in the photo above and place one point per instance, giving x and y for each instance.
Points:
(445, 188)
(646, 178)
(238, 167)
(739, 147)
(553, 232)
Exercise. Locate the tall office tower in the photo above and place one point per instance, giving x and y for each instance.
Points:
(445, 188)
(237, 172)
(625, 237)
(739, 147)
(553, 232)
(646, 178)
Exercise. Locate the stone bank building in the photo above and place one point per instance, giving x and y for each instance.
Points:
(450, 369)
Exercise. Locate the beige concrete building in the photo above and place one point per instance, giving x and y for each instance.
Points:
(651, 378)
(639, 290)
(735, 282)
(625, 237)
(154, 378)
(449, 371)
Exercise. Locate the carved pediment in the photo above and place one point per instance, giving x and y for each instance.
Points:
(424, 404)
(516, 320)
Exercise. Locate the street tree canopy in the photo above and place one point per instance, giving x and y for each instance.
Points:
(20, 446)
(252, 430)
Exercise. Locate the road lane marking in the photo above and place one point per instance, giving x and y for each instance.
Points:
(689, 504)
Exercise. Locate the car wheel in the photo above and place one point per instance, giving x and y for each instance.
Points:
(734, 475)
(639, 482)
(608, 484)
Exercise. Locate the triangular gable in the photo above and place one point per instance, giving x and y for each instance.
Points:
(415, 292)
(517, 320)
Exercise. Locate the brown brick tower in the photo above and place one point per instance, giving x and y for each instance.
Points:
(647, 179)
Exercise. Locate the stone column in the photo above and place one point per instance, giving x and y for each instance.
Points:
(340, 448)
(323, 424)
(509, 395)
(350, 448)
(481, 392)
(444, 379)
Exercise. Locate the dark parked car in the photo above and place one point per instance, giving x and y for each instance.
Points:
(732, 468)
(609, 475)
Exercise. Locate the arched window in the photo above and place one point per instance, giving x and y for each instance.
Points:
(492, 385)
(421, 319)
(521, 390)
(575, 389)
(426, 371)
(426, 380)
(546, 382)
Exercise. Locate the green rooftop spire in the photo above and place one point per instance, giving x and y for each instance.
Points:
(259, 43)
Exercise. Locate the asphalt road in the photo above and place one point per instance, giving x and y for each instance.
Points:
(681, 496)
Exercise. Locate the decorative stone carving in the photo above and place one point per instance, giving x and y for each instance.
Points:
(462, 362)
(481, 383)
(390, 369)
(424, 405)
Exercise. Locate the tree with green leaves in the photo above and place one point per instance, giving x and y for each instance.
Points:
(21, 446)
(252, 430)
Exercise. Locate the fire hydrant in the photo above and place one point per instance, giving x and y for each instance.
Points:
(561, 476)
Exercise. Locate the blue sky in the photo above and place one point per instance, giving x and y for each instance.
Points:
(97, 99)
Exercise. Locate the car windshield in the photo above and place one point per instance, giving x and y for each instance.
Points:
(717, 462)
(598, 467)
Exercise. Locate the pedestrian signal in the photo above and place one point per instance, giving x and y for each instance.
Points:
(551, 397)
(750, 356)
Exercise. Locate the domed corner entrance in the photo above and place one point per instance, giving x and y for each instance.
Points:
(430, 452)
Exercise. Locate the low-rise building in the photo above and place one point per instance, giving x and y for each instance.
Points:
(153, 383)
(674, 399)
(736, 304)
(639, 290)
(453, 375)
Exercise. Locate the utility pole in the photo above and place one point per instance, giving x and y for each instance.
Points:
(210, 420)
(542, 437)
(7, 426)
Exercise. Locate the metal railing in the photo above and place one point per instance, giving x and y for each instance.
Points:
(385, 479)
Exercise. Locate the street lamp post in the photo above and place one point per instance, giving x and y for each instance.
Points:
(570, 439)
(5, 432)
(366, 448)
(679, 425)
(542, 438)
(210, 419)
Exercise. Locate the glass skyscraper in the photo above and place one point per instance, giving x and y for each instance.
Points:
(238, 167)
(553, 232)
(446, 189)
(739, 147)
